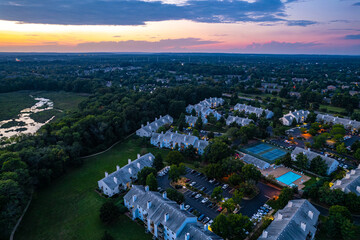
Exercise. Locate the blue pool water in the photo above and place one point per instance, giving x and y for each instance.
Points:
(288, 178)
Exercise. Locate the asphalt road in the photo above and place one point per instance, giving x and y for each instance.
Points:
(248, 207)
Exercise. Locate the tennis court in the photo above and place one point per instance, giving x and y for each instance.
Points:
(259, 148)
(265, 152)
(273, 154)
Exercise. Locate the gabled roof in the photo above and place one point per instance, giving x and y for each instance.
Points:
(196, 232)
(154, 126)
(255, 161)
(159, 207)
(251, 109)
(238, 120)
(288, 222)
(191, 119)
(336, 120)
(311, 155)
(124, 176)
(350, 183)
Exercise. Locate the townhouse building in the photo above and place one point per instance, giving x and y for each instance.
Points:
(250, 109)
(150, 128)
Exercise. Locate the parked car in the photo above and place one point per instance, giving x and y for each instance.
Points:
(201, 217)
(212, 180)
(204, 200)
(191, 209)
(225, 186)
(198, 195)
(219, 209)
(203, 189)
(192, 184)
(211, 222)
(206, 220)
(193, 194)
(236, 210)
(187, 207)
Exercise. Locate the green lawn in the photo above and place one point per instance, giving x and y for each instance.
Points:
(12, 103)
(69, 207)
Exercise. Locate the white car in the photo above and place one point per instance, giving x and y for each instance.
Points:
(212, 180)
(204, 200)
(225, 186)
(197, 196)
(187, 207)
(192, 184)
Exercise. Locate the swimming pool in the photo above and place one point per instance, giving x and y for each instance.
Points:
(288, 178)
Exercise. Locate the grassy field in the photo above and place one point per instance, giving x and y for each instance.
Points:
(69, 207)
(12, 103)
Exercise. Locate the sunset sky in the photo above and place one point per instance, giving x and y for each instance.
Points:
(231, 26)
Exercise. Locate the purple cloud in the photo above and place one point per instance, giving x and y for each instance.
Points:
(353, 37)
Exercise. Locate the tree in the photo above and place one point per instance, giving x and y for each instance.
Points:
(286, 160)
(151, 182)
(235, 179)
(217, 193)
(107, 236)
(284, 197)
(196, 133)
(250, 172)
(158, 163)
(181, 123)
(233, 226)
(199, 123)
(319, 166)
(174, 195)
(237, 197)
(174, 158)
(302, 161)
(229, 205)
(176, 171)
(109, 212)
(211, 135)
(311, 117)
(339, 217)
(217, 150)
(341, 148)
(214, 170)
(142, 175)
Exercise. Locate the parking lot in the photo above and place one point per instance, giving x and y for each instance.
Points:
(248, 207)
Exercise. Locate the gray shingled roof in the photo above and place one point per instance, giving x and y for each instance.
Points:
(159, 207)
(310, 155)
(238, 120)
(196, 232)
(336, 120)
(255, 161)
(250, 109)
(123, 175)
(191, 120)
(350, 183)
(154, 126)
(287, 222)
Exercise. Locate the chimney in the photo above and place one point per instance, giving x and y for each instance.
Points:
(147, 123)
(115, 180)
(142, 125)
(138, 155)
(130, 171)
(309, 149)
(182, 206)
(117, 168)
(290, 204)
(166, 217)
(347, 176)
(134, 198)
(352, 172)
(279, 216)
(138, 165)
(303, 226)
(147, 188)
(129, 161)
(106, 174)
(311, 214)
(338, 182)
(164, 195)
(187, 236)
(156, 119)
(148, 205)
(358, 189)
(264, 234)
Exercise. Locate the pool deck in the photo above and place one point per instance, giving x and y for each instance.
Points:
(279, 171)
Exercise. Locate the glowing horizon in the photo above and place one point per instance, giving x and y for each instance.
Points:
(292, 27)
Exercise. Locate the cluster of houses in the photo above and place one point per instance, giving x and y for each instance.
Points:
(350, 183)
(331, 163)
(238, 120)
(250, 109)
(204, 108)
(349, 124)
(164, 218)
(123, 177)
(150, 128)
(178, 141)
(299, 116)
(297, 220)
